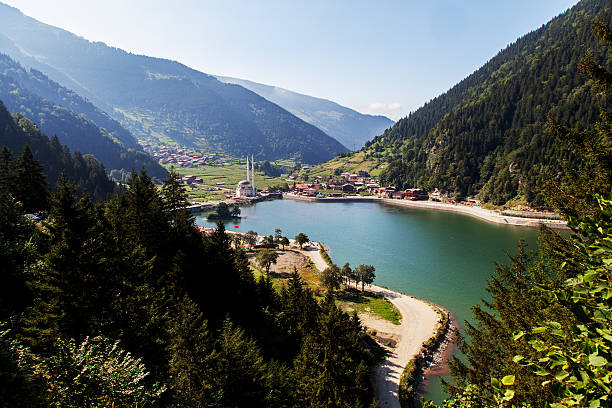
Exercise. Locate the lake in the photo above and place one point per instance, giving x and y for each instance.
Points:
(438, 256)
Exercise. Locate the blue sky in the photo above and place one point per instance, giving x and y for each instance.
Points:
(380, 57)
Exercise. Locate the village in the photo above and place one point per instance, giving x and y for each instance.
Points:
(350, 184)
(180, 157)
(339, 186)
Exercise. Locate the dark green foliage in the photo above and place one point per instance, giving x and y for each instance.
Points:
(192, 367)
(17, 388)
(78, 124)
(301, 239)
(30, 185)
(241, 369)
(269, 169)
(328, 369)
(548, 321)
(364, 274)
(491, 347)
(73, 280)
(266, 258)
(17, 133)
(125, 301)
(224, 211)
(15, 256)
(487, 136)
(331, 278)
(174, 196)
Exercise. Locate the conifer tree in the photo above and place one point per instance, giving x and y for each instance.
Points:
(7, 171)
(30, 184)
(550, 316)
(241, 370)
(16, 255)
(193, 360)
(74, 279)
(175, 202)
(145, 218)
(328, 369)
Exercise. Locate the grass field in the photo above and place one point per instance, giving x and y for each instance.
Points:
(224, 174)
(308, 275)
(371, 304)
(352, 164)
(348, 299)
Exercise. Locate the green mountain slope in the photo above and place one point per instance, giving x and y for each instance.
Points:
(77, 122)
(487, 135)
(347, 126)
(164, 100)
(83, 170)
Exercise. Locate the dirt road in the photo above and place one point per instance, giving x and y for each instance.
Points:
(418, 324)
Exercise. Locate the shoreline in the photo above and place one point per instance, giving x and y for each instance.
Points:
(473, 211)
(420, 324)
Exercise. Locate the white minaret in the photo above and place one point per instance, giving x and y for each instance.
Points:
(247, 168)
(253, 175)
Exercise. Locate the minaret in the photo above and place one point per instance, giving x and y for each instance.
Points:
(253, 175)
(247, 168)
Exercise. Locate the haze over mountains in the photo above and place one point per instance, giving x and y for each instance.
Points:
(348, 126)
(163, 100)
(78, 123)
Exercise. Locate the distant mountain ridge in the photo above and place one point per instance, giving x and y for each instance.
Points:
(84, 170)
(164, 100)
(349, 127)
(487, 136)
(78, 123)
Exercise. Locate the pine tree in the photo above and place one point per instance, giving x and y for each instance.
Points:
(16, 256)
(30, 184)
(175, 202)
(8, 171)
(330, 367)
(193, 363)
(74, 279)
(241, 370)
(552, 315)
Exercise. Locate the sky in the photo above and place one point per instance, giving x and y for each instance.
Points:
(384, 57)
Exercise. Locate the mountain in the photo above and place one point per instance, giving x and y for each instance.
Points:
(77, 122)
(164, 100)
(487, 136)
(347, 126)
(83, 170)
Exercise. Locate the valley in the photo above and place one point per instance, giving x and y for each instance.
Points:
(172, 238)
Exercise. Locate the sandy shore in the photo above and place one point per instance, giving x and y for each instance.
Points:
(418, 324)
(478, 212)
(472, 211)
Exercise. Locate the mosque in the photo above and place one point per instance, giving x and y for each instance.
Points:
(247, 188)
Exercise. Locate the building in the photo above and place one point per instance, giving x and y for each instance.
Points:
(246, 188)
(348, 188)
(415, 194)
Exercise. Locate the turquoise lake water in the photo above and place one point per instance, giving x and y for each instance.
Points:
(439, 256)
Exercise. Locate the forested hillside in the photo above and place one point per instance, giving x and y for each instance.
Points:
(347, 126)
(543, 338)
(487, 135)
(18, 132)
(164, 100)
(127, 304)
(78, 124)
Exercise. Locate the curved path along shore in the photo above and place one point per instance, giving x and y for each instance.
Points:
(418, 324)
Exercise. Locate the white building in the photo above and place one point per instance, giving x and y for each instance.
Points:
(246, 188)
